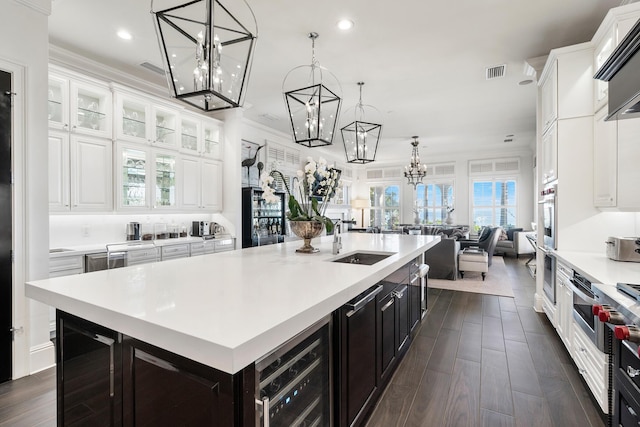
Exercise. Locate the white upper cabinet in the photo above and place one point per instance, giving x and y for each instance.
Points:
(146, 178)
(549, 96)
(133, 169)
(133, 119)
(201, 184)
(165, 125)
(602, 52)
(212, 139)
(550, 154)
(612, 30)
(628, 170)
(605, 161)
(79, 106)
(80, 176)
(190, 134)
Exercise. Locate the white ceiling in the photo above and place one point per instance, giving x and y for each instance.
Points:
(423, 62)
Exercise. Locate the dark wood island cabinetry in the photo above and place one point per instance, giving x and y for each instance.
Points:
(152, 345)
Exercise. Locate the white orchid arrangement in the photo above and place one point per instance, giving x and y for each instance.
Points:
(315, 187)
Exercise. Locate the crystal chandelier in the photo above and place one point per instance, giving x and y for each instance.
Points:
(314, 107)
(207, 49)
(415, 172)
(361, 136)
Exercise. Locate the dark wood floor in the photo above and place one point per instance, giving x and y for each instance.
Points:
(476, 361)
(484, 360)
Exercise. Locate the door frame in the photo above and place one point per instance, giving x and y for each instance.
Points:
(20, 310)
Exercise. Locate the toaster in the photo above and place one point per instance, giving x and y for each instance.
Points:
(623, 248)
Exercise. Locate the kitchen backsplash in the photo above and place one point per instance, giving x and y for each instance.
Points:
(79, 230)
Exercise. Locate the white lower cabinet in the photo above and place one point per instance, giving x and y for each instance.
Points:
(201, 184)
(175, 251)
(143, 256)
(593, 365)
(63, 266)
(549, 309)
(202, 248)
(80, 177)
(224, 245)
(564, 306)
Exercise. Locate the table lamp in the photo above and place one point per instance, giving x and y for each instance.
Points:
(361, 204)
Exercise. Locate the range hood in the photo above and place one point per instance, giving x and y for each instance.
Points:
(622, 71)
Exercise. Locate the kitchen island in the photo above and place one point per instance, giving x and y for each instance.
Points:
(227, 310)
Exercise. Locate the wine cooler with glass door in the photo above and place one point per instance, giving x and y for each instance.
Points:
(293, 386)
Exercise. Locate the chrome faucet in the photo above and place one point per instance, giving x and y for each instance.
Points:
(337, 239)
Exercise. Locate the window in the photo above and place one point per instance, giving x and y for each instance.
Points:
(385, 206)
(432, 201)
(494, 202)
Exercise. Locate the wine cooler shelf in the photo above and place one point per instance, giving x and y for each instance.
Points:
(296, 384)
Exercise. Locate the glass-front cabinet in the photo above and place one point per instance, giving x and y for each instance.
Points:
(133, 172)
(146, 178)
(58, 102)
(212, 140)
(79, 107)
(132, 119)
(165, 180)
(190, 135)
(165, 124)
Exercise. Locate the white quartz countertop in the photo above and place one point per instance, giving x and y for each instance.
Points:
(599, 268)
(227, 310)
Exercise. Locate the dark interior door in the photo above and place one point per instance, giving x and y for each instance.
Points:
(5, 227)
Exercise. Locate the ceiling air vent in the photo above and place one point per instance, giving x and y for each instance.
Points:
(149, 66)
(496, 72)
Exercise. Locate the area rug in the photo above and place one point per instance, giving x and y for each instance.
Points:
(496, 282)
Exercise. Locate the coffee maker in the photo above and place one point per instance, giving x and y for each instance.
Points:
(133, 231)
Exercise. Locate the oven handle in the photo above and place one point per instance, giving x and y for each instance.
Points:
(580, 293)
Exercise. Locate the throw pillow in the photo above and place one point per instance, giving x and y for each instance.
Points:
(511, 231)
(457, 234)
(503, 235)
(484, 233)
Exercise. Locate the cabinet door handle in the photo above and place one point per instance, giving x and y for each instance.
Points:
(264, 402)
(387, 305)
(632, 372)
(358, 305)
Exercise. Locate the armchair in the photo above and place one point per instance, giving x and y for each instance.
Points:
(488, 240)
(516, 243)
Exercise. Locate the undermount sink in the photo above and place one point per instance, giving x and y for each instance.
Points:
(58, 250)
(363, 258)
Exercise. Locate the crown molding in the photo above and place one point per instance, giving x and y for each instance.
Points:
(41, 6)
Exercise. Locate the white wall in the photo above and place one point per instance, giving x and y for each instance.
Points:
(24, 43)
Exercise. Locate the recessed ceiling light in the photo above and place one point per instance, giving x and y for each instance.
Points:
(345, 24)
(525, 82)
(124, 34)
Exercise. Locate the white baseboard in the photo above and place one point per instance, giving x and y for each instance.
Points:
(42, 357)
(537, 303)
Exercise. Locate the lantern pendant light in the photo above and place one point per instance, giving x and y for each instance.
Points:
(361, 137)
(314, 106)
(207, 48)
